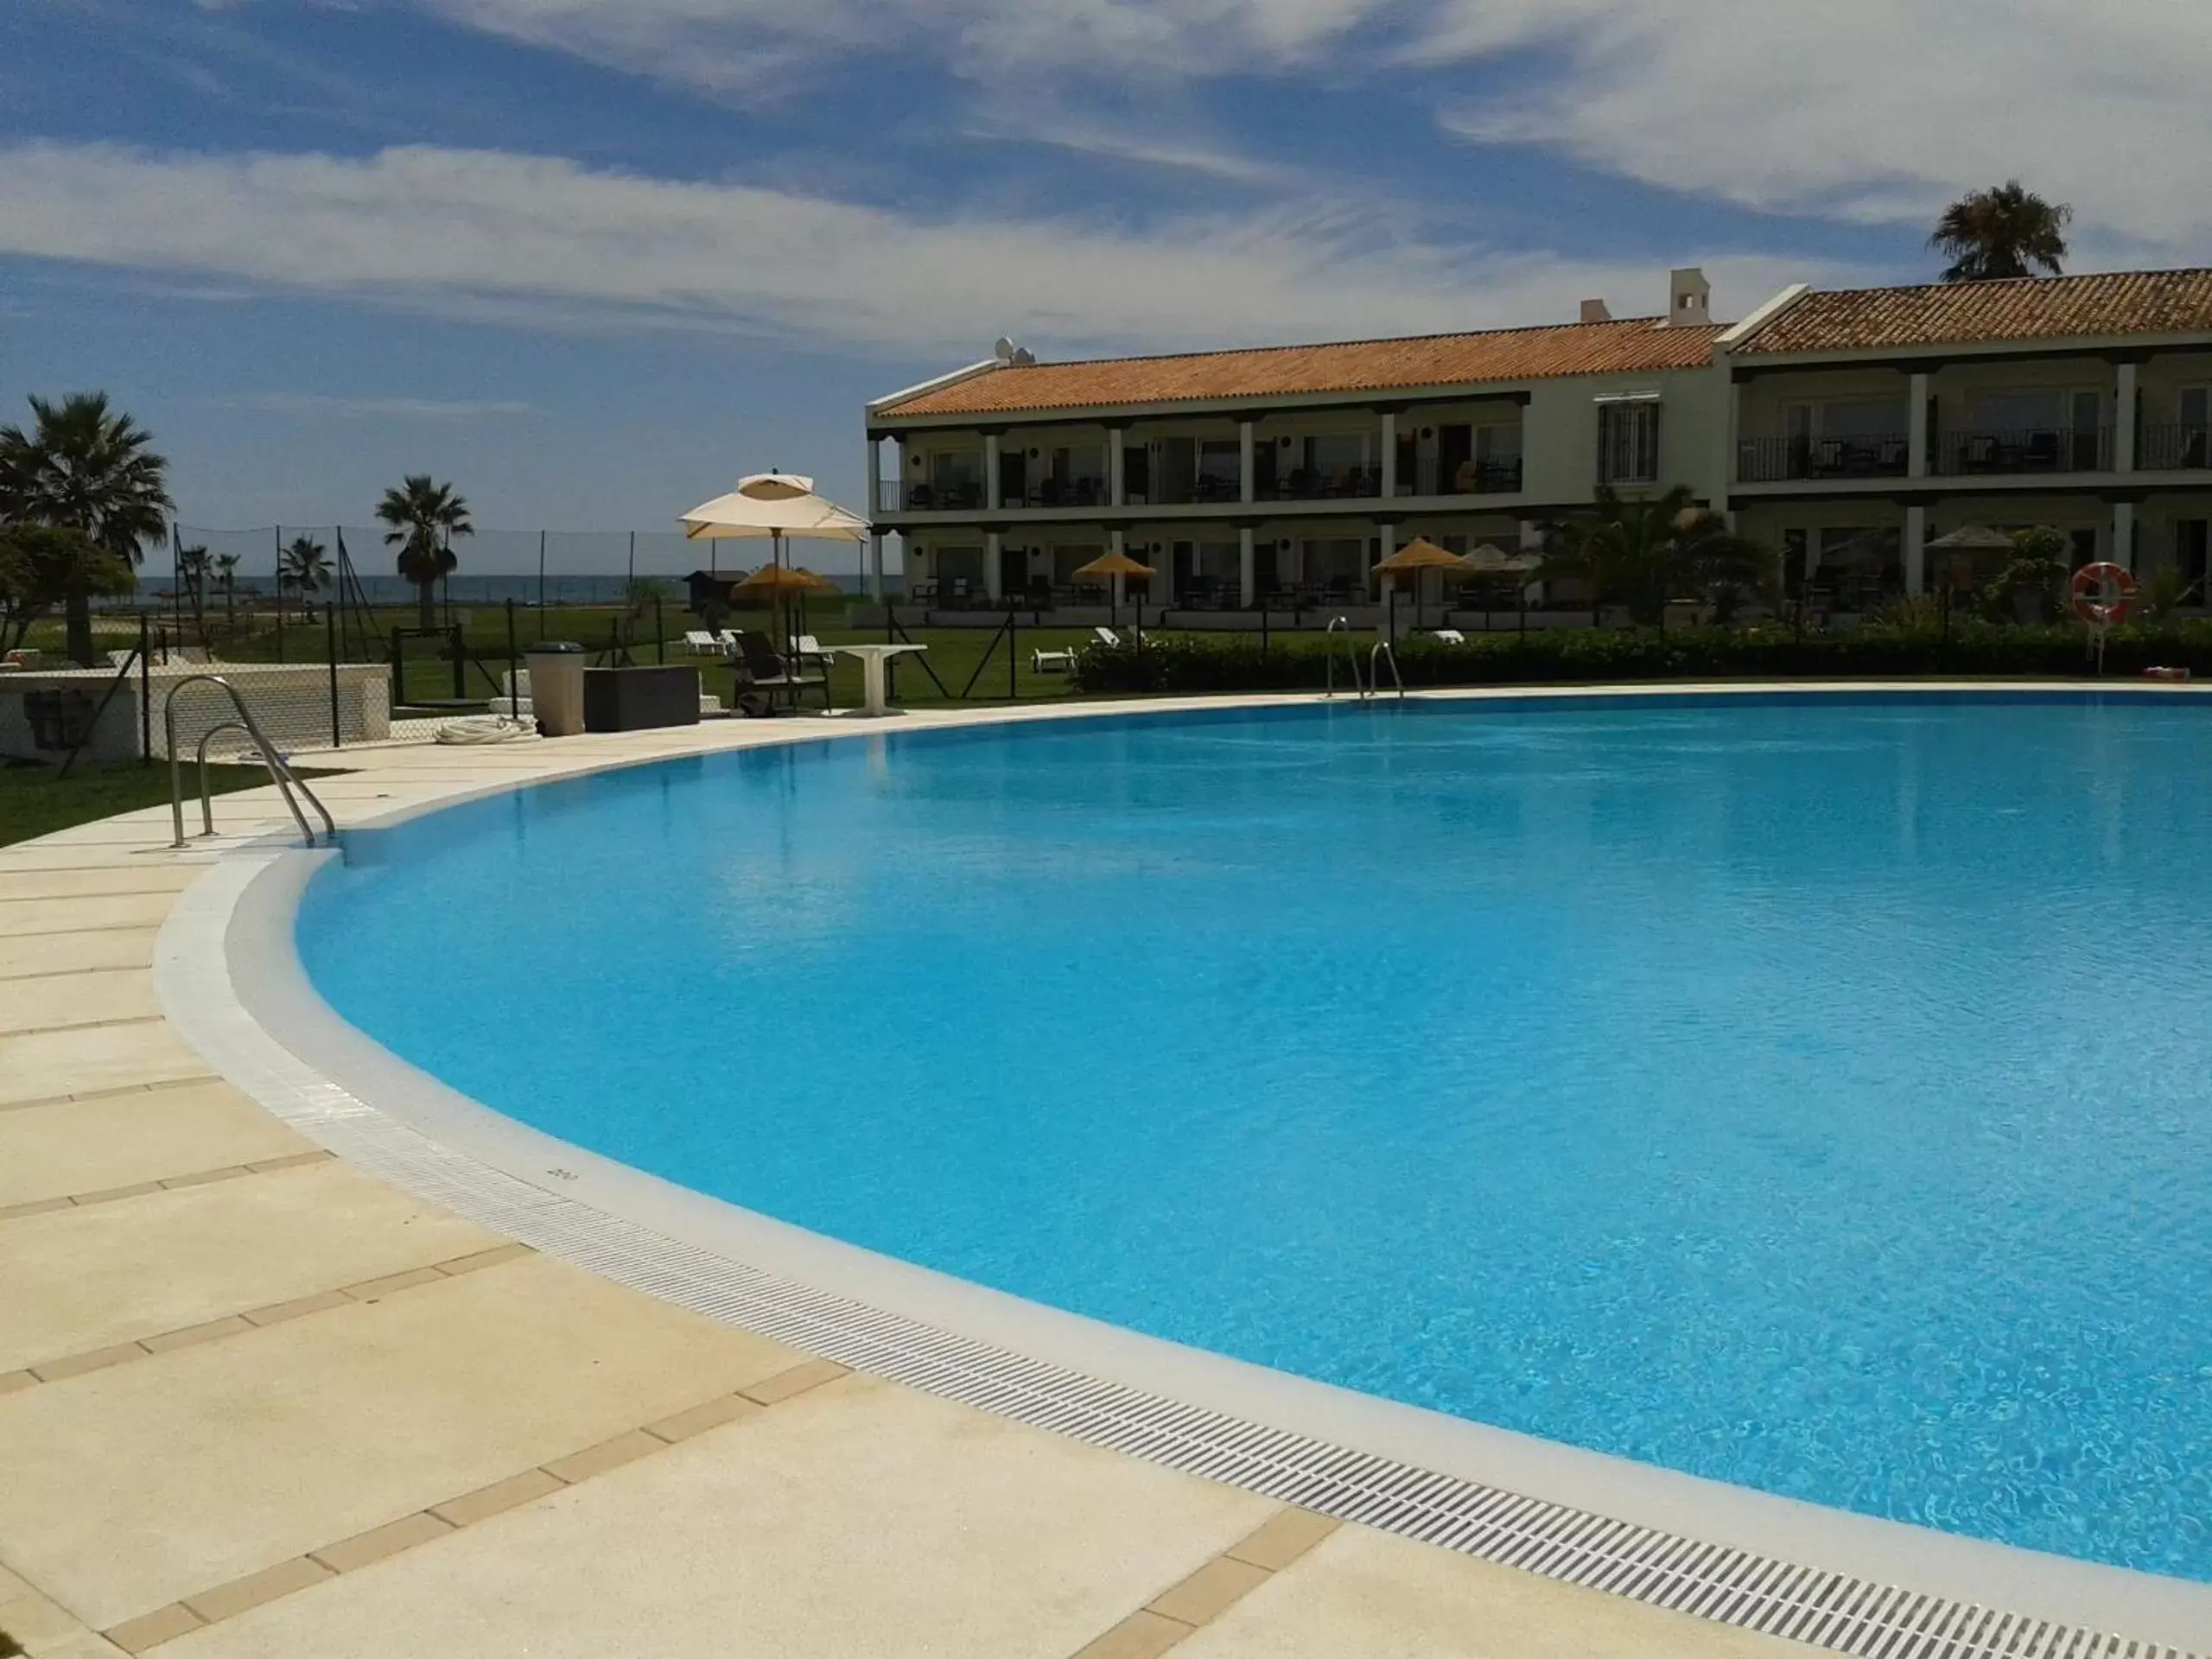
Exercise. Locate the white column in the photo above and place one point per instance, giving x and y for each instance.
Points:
(1248, 561)
(1247, 474)
(992, 585)
(1916, 550)
(1386, 542)
(2123, 425)
(2123, 535)
(1116, 490)
(991, 470)
(1916, 415)
(1390, 453)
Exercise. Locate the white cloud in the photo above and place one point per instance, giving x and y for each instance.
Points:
(1879, 110)
(313, 404)
(1878, 113)
(472, 230)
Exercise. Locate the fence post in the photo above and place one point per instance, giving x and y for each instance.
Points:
(1012, 653)
(330, 639)
(660, 634)
(145, 693)
(514, 684)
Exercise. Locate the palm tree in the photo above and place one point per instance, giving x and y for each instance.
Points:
(226, 578)
(87, 467)
(424, 516)
(1643, 551)
(192, 569)
(2005, 231)
(304, 567)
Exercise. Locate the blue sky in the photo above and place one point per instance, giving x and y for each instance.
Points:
(591, 259)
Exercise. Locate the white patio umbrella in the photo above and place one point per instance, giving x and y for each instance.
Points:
(774, 504)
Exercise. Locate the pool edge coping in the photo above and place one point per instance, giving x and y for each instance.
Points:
(230, 981)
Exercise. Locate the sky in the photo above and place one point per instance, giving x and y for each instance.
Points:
(592, 260)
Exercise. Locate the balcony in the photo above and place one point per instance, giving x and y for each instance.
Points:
(1320, 483)
(1072, 491)
(2041, 449)
(1781, 460)
(952, 495)
(1495, 475)
(2174, 448)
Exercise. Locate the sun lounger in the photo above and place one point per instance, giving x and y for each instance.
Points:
(1447, 636)
(701, 642)
(1107, 636)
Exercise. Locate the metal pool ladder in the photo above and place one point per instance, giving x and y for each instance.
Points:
(1351, 656)
(280, 770)
(1382, 653)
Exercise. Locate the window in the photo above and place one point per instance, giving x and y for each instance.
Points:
(1628, 442)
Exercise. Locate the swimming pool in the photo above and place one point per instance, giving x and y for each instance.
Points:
(1802, 1093)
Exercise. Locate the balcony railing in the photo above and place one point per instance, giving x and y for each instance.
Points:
(2173, 448)
(1314, 483)
(1778, 460)
(2041, 449)
(957, 496)
(1067, 492)
(1498, 475)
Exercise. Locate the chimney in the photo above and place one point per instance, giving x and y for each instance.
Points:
(1594, 311)
(1689, 298)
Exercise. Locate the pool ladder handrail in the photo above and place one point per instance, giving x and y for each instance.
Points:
(1351, 656)
(280, 770)
(1383, 653)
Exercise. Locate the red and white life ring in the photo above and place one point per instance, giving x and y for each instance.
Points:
(2104, 593)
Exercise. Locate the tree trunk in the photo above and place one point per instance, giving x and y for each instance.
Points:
(78, 629)
(426, 599)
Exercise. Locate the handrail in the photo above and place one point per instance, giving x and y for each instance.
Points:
(1373, 678)
(1351, 656)
(280, 770)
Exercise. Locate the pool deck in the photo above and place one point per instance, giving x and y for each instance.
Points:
(255, 1401)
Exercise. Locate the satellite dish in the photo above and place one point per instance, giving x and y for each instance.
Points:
(1024, 357)
(1003, 349)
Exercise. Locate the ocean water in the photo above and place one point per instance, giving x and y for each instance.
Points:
(1812, 1095)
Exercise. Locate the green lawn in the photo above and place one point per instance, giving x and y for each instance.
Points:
(36, 800)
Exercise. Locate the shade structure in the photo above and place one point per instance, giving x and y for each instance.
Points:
(1490, 560)
(1973, 538)
(782, 581)
(776, 504)
(1419, 553)
(1115, 564)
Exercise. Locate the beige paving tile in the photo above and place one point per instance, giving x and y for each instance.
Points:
(1217, 1585)
(68, 915)
(354, 1554)
(78, 1279)
(498, 1498)
(107, 879)
(1140, 1636)
(78, 999)
(154, 1481)
(64, 953)
(1284, 1539)
(149, 1630)
(859, 1521)
(697, 1420)
(1362, 1594)
(229, 1600)
(89, 1146)
(37, 1065)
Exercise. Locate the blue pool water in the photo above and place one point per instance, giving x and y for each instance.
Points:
(1813, 1096)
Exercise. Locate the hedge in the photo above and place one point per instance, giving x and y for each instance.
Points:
(1173, 663)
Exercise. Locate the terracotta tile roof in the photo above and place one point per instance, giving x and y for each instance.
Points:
(1628, 346)
(2029, 308)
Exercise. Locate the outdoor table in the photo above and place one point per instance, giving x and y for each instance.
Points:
(873, 658)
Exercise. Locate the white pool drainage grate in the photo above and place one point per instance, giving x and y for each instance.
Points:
(1755, 1593)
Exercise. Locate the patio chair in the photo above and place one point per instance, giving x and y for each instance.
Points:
(764, 678)
(701, 642)
(1060, 661)
(808, 650)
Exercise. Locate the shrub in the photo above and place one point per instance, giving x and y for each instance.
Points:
(1913, 646)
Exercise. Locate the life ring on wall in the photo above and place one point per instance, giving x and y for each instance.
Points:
(2104, 593)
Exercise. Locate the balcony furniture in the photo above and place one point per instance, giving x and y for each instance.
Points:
(921, 592)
